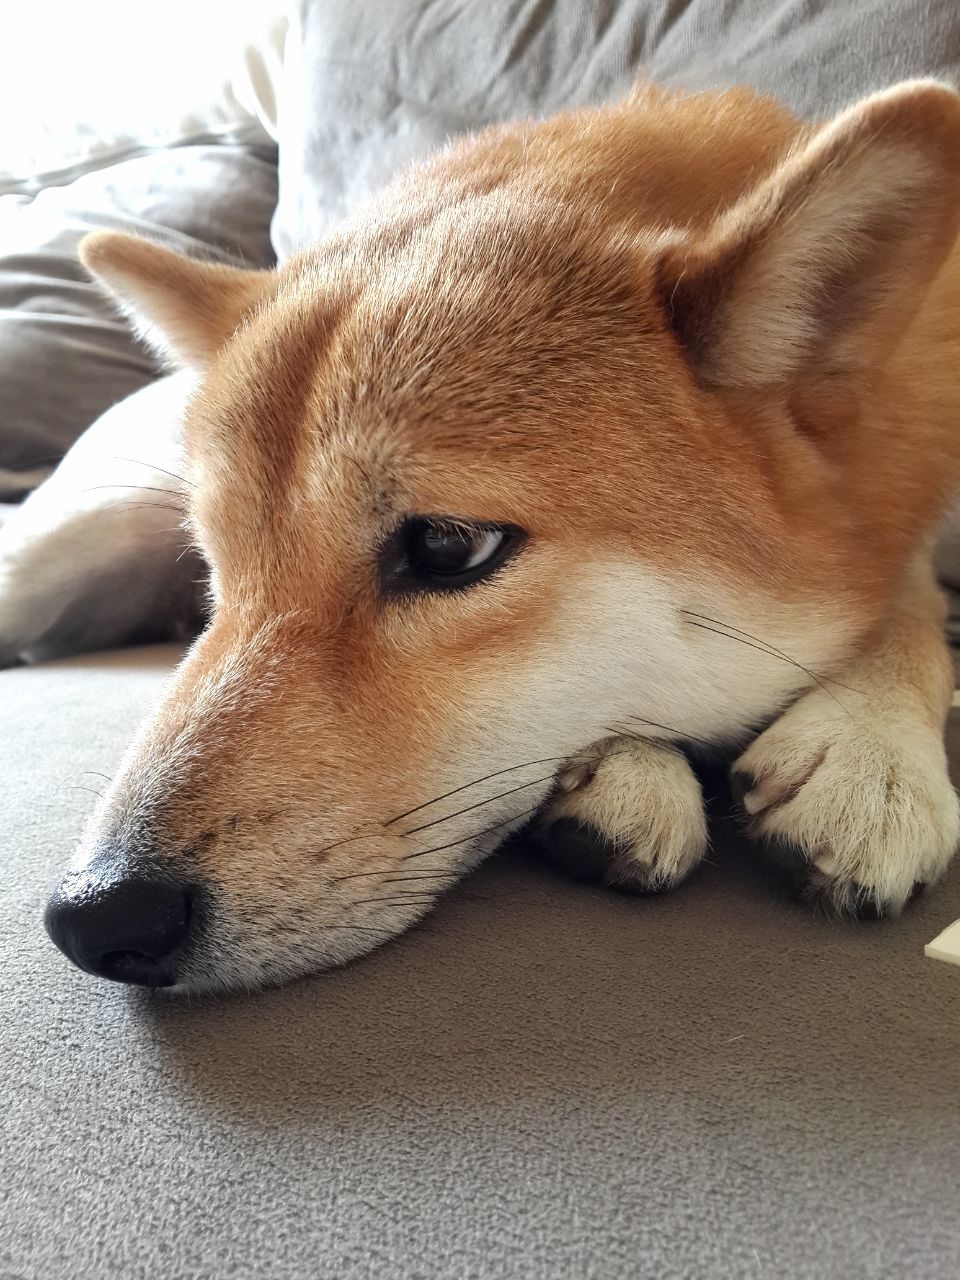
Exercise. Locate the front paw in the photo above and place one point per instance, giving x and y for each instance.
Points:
(866, 804)
(632, 818)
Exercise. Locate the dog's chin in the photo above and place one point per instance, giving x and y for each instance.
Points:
(235, 966)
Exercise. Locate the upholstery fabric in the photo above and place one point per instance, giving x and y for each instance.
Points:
(85, 86)
(370, 87)
(542, 1082)
(66, 354)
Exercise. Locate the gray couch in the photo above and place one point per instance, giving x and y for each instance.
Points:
(544, 1080)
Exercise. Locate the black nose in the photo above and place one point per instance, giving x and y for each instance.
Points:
(121, 924)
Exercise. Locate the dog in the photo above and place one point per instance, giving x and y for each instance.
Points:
(587, 446)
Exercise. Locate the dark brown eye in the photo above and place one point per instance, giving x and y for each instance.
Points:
(436, 554)
(435, 549)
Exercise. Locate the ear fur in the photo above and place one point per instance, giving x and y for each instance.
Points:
(185, 309)
(827, 260)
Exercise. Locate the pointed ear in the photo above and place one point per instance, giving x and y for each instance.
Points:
(826, 262)
(185, 309)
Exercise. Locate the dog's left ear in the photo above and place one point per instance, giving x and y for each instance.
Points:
(185, 309)
(824, 264)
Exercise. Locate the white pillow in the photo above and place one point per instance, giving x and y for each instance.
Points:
(82, 85)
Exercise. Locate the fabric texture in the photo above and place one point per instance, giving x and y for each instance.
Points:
(370, 87)
(542, 1082)
(66, 354)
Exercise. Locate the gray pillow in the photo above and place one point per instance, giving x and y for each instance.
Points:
(66, 355)
(373, 84)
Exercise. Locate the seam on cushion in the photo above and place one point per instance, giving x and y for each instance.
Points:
(30, 185)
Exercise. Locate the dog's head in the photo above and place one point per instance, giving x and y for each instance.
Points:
(485, 478)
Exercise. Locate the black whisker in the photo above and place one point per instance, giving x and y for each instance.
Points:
(360, 875)
(686, 737)
(666, 747)
(393, 899)
(138, 462)
(474, 835)
(144, 488)
(133, 505)
(772, 653)
(364, 835)
(423, 873)
(527, 764)
(572, 759)
(359, 928)
(772, 648)
(479, 805)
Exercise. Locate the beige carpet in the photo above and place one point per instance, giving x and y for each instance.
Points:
(544, 1081)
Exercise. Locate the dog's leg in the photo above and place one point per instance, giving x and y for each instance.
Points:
(854, 778)
(633, 818)
(95, 556)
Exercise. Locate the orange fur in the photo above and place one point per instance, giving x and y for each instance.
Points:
(623, 330)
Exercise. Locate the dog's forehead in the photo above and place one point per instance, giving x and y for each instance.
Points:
(482, 314)
(467, 366)
(440, 334)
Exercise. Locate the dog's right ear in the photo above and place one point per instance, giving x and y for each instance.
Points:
(185, 309)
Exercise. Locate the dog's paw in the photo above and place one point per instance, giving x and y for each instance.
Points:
(865, 804)
(632, 818)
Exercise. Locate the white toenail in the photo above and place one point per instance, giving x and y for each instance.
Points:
(576, 776)
(754, 801)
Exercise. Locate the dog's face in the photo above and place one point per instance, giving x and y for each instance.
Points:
(481, 486)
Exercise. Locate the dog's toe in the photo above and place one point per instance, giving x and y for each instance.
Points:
(582, 851)
(633, 822)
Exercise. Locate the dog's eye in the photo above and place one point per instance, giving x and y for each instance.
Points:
(434, 549)
(436, 554)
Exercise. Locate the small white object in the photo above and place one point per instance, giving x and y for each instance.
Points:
(946, 945)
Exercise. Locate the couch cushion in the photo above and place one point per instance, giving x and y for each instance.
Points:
(368, 87)
(66, 354)
(543, 1081)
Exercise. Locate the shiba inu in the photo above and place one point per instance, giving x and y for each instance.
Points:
(589, 444)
